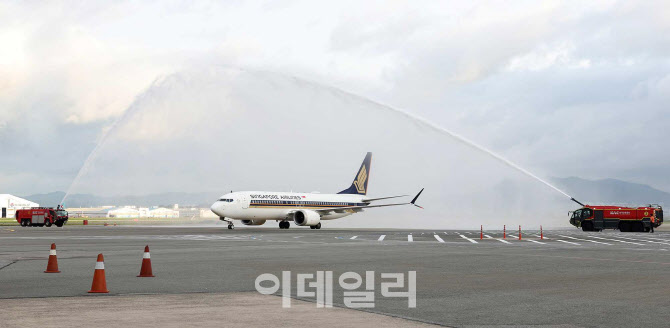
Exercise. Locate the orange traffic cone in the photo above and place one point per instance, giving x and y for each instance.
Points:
(52, 266)
(145, 271)
(99, 284)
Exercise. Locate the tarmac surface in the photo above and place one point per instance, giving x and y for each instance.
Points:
(569, 278)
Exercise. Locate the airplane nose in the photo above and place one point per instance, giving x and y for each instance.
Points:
(217, 208)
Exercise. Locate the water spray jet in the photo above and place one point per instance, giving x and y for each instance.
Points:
(333, 90)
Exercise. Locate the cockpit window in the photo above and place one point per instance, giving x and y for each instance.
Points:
(586, 213)
(227, 200)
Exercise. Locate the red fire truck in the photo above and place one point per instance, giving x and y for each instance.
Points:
(626, 219)
(42, 217)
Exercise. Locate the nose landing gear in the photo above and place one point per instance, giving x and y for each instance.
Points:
(231, 226)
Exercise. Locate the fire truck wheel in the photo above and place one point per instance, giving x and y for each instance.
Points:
(59, 224)
(24, 223)
(624, 227)
(47, 223)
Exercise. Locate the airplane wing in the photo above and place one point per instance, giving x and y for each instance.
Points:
(324, 211)
(369, 200)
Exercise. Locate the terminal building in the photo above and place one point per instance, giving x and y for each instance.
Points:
(10, 203)
(129, 212)
(135, 212)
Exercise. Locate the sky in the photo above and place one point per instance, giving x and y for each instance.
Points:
(562, 88)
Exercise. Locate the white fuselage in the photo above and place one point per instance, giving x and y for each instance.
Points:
(267, 205)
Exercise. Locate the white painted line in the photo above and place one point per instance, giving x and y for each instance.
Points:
(498, 239)
(656, 239)
(354, 237)
(468, 239)
(381, 237)
(567, 242)
(438, 238)
(649, 241)
(621, 241)
(590, 241)
(410, 238)
(543, 237)
(535, 241)
(445, 233)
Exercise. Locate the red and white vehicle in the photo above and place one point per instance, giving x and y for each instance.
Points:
(626, 219)
(42, 217)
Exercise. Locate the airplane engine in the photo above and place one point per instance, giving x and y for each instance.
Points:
(306, 218)
(253, 222)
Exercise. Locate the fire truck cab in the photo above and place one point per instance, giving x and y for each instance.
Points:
(42, 217)
(626, 219)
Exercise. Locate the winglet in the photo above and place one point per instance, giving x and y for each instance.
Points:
(415, 198)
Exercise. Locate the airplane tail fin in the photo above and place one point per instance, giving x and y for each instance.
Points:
(360, 184)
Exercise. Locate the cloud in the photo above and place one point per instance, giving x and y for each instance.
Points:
(551, 85)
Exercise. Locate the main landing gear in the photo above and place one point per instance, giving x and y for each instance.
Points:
(284, 225)
(318, 226)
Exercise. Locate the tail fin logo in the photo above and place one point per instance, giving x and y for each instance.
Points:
(360, 180)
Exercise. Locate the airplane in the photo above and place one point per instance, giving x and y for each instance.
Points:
(254, 208)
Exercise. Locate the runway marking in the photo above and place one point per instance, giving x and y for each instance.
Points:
(354, 237)
(500, 240)
(590, 241)
(438, 238)
(410, 238)
(655, 239)
(381, 237)
(538, 236)
(468, 239)
(649, 241)
(568, 242)
(144, 237)
(621, 241)
(535, 241)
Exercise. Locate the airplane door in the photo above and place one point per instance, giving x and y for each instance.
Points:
(245, 201)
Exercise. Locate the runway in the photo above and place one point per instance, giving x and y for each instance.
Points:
(567, 278)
